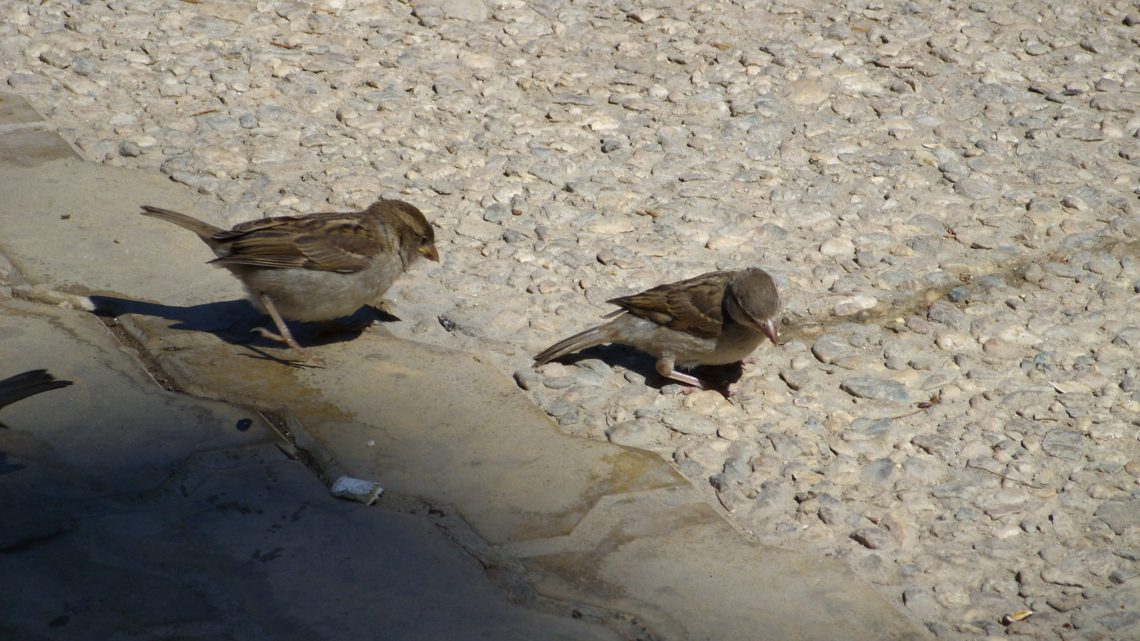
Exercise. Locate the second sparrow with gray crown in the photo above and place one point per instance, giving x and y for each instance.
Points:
(712, 319)
(316, 267)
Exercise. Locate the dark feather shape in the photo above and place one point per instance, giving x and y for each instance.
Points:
(29, 383)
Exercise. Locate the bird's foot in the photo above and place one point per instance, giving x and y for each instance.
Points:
(696, 384)
(285, 337)
(726, 390)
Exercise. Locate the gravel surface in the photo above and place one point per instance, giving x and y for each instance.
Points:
(946, 193)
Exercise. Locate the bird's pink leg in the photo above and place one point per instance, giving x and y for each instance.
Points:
(285, 335)
(665, 368)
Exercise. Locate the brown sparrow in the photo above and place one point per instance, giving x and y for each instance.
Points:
(29, 383)
(316, 267)
(712, 319)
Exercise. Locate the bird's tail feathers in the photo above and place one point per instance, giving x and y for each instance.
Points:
(599, 335)
(203, 229)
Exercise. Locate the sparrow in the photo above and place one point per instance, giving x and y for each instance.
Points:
(29, 383)
(316, 267)
(711, 319)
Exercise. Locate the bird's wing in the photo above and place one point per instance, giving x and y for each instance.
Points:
(324, 242)
(692, 305)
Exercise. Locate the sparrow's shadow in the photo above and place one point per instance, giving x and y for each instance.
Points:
(235, 321)
(718, 377)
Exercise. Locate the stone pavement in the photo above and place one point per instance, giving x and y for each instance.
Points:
(154, 498)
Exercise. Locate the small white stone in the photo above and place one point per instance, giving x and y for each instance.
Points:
(849, 305)
(953, 342)
(837, 248)
(808, 92)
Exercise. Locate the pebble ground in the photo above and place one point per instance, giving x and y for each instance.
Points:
(948, 194)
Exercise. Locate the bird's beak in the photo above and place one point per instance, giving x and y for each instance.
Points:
(771, 329)
(430, 253)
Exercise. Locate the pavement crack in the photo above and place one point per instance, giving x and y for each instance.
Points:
(278, 421)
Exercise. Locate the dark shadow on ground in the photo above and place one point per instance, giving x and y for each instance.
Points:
(718, 377)
(234, 321)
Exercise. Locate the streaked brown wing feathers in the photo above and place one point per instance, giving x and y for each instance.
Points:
(692, 305)
(324, 242)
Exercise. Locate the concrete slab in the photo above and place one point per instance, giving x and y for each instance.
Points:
(95, 215)
(16, 112)
(127, 512)
(114, 412)
(23, 142)
(250, 546)
(30, 147)
(613, 529)
(696, 578)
